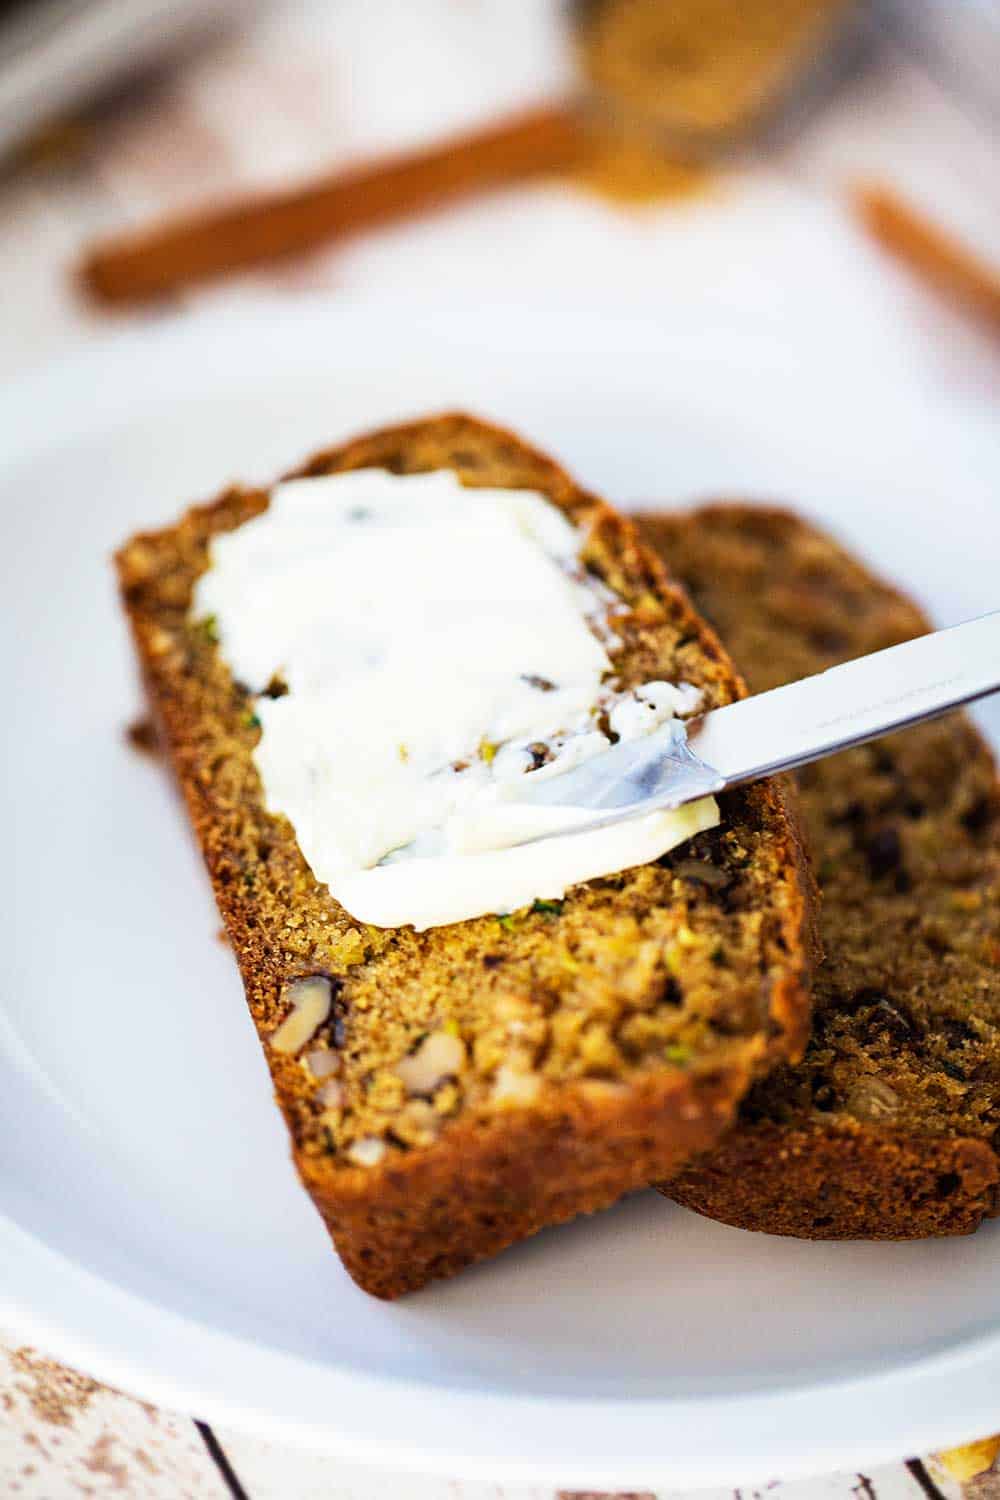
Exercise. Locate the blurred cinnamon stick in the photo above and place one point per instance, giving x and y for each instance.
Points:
(933, 254)
(155, 262)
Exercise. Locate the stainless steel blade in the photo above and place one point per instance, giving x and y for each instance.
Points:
(782, 729)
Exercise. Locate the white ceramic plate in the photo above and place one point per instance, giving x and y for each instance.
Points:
(151, 1228)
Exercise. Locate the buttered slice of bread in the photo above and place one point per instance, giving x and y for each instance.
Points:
(450, 1091)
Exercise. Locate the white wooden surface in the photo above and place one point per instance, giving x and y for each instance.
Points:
(308, 84)
(62, 1434)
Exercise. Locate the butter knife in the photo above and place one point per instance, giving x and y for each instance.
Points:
(779, 730)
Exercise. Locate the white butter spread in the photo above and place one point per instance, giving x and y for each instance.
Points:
(438, 645)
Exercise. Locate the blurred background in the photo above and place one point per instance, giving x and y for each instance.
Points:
(816, 162)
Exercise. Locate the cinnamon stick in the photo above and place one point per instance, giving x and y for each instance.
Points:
(155, 262)
(933, 254)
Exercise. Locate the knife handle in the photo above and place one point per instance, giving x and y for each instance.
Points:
(847, 705)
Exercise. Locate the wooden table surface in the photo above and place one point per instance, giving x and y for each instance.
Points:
(62, 1434)
(300, 87)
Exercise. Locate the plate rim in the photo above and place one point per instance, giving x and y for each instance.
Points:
(806, 1450)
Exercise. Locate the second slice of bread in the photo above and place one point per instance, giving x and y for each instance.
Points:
(889, 1128)
(592, 1045)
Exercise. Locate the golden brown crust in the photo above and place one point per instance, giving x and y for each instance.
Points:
(890, 1127)
(492, 1175)
(843, 1181)
(491, 1183)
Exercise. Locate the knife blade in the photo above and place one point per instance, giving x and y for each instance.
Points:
(781, 729)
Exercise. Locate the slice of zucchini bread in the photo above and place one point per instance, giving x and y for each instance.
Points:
(453, 1090)
(889, 1128)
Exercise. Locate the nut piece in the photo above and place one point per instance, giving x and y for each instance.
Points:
(323, 1061)
(367, 1152)
(331, 1095)
(871, 1099)
(514, 1087)
(438, 1057)
(310, 999)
